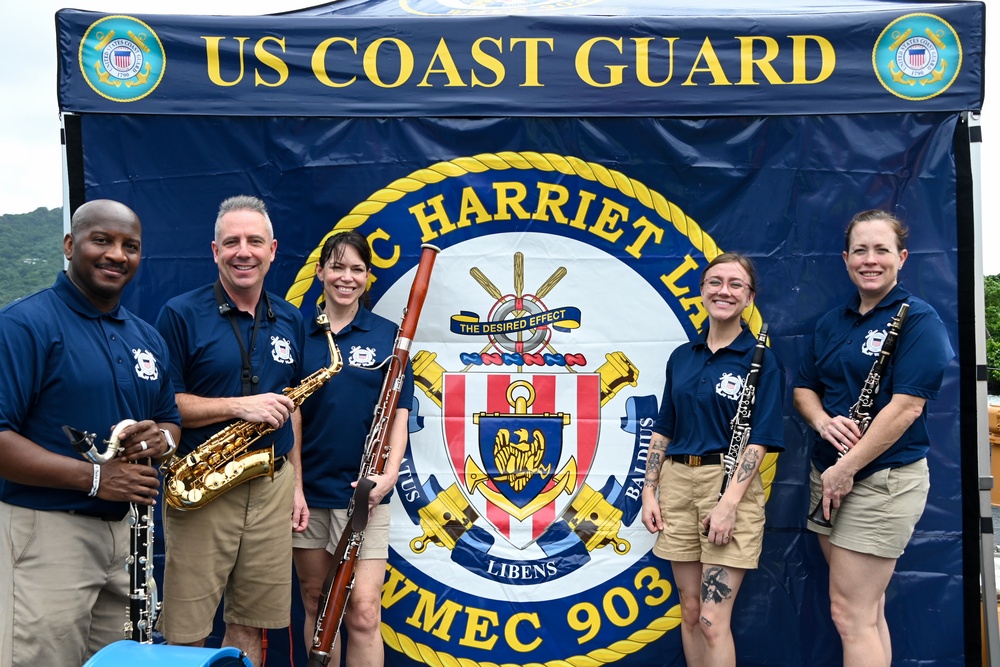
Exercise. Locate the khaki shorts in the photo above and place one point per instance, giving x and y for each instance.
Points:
(879, 514)
(239, 544)
(63, 586)
(687, 494)
(326, 527)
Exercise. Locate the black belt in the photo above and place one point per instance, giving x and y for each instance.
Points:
(103, 516)
(695, 461)
(279, 463)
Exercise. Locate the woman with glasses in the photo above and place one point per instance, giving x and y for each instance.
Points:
(871, 486)
(710, 541)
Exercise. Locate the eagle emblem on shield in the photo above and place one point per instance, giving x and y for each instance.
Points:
(522, 459)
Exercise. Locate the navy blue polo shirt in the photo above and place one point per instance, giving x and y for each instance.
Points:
(205, 357)
(845, 346)
(337, 418)
(66, 362)
(703, 389)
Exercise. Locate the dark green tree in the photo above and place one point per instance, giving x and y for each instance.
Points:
(992, 289)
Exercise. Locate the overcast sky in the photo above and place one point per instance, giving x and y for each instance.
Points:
(31, 166)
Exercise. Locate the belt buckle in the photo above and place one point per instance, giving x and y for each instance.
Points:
(694, 461)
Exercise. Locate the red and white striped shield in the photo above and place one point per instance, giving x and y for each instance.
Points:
(575, 395)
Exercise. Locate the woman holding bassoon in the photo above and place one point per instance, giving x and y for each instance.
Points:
(869, 475)
(723, 388)
(335, 424)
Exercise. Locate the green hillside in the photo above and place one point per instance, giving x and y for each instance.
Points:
(30, 252)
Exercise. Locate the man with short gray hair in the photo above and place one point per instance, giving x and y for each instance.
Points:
(234, 347)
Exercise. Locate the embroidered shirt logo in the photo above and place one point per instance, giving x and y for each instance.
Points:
(730, 386)
(145, 365)
(362, 356)
(873, 342)
(281, 350)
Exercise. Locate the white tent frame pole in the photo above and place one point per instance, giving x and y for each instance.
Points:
(986, 539)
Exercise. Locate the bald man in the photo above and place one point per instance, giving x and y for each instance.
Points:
(71, 355)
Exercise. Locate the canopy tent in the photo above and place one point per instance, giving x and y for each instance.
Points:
(578, 162)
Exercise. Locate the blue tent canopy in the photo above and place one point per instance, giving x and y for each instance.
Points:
(588, 158)
(587, 59)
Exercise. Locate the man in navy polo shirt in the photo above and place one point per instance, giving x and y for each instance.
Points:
(73, 356)
(233, 348)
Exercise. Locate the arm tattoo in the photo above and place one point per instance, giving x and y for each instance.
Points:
(715, 585)
(748, 465)
(657, 450)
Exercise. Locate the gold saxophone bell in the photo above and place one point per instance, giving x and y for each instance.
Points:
(223, 461)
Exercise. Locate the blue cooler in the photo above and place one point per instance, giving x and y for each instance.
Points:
(127, 653)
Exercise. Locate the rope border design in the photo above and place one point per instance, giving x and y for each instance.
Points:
(602, 656)
(477, 164)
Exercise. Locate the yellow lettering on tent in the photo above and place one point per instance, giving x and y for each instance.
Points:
(375, 241)
(512, 636)
(405, 62)
(642, 61)
(319, 61)
(494, 65)
(213, 60)
(448, 67)
(270, 60)
(509, 198)
(531, 57)
(541, 201)
(827, 58)
(583, 63)
(478, 628)
(427, 616)
(764, 63)
(712, 65)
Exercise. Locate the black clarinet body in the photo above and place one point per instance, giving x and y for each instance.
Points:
(863, 411)
(741, 422)
(144, 601)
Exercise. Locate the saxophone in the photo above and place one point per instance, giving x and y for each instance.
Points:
(223, 462)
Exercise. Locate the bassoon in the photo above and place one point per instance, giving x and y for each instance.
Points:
(340, 579)
(863, 411)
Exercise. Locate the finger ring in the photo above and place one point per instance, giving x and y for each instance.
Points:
(144, 445)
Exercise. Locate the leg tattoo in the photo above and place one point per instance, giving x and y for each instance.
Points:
(715, 585)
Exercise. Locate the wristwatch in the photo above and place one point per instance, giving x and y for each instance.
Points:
(171, 445)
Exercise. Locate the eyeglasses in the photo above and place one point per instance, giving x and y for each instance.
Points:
(735, 286)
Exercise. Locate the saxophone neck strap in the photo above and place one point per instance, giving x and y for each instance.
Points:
(247, 378)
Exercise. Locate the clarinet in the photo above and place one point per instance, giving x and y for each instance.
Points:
(740, 423)
(340, 579)
(863, 411)
(144, 603)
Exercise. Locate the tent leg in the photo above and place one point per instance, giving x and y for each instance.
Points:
(991, 625)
